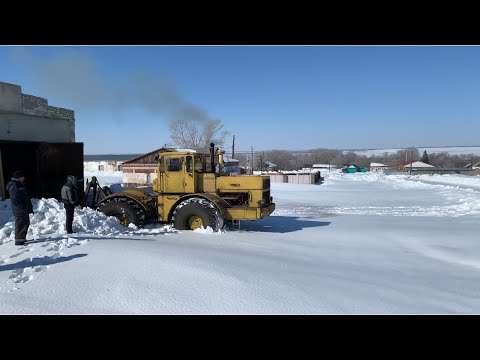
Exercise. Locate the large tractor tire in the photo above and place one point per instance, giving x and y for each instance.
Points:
(126, 210)
(196, 213)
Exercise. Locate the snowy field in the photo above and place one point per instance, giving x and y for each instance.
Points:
(354, 244)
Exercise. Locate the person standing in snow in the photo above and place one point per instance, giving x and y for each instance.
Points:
(21, 206)
(69, 199)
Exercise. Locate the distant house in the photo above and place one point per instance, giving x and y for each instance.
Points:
(324, 166)
(421, 168)
(354, 168)
(142, 170)
(413, 164)
(270, 166)
(228, 161)
(474, 165)
(105, 162)
(476, 168)
(377, 167)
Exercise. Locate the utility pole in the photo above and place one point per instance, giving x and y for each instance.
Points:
(251, 171)
(233, 147)
(261, 162)
(411, 161)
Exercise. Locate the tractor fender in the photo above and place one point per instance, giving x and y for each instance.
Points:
(216, 200)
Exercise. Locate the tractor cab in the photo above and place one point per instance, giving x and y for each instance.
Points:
(184, 172)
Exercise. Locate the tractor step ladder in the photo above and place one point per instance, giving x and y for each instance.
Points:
(236, 224)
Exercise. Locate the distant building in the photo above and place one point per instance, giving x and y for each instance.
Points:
(354, 168)
(270, 166)
(420, 168)
(105, 162)
(474, 165)
(476, 168)
(378, 167)
(324, 166)
(142, 170)
(413, 164)
(228, 161)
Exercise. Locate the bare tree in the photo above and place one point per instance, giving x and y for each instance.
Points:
(197, 134)
(185, 133)
(213, 133)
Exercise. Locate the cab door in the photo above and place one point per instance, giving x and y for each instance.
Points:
(189, 174)
(174, 176)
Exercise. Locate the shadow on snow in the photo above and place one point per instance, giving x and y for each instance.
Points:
(281, 224)
(43, 261)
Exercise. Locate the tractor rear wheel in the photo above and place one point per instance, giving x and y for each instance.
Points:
(196, 213)
(126, 210)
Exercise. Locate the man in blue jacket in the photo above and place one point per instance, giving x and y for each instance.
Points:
(21, 206)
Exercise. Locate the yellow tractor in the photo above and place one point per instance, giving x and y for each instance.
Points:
(191, 193)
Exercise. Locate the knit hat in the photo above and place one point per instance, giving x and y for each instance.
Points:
(18, 174)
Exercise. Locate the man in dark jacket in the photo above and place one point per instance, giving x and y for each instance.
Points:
(69, 199)
(21, 206)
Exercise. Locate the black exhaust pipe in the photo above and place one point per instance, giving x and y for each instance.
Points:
(212, 157)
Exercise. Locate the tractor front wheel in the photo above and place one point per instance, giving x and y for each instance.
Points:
(126, 210)
(196, 213)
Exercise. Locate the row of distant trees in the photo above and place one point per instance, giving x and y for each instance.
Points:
(289, 160)
(199, 134)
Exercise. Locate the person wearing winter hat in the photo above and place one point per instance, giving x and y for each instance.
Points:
(69, 198)
(21, 206)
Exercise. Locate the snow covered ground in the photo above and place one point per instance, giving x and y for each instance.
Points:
(356, 243)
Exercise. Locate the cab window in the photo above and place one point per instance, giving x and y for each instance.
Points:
(174, 164)
(189, 164)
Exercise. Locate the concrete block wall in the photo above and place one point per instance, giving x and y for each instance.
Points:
(26, 117)
(10, 97)
(37, 106)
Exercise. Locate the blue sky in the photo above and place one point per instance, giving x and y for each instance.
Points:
(269, 97)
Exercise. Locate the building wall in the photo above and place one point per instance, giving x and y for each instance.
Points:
(26, 117)
(139, 174)
(138, 179)
(20, 127)
(10, 97)
(110, 165)
(278, 178)
(303, 178)
(379, 169)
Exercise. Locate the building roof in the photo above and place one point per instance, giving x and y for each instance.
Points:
(477, 164)
(270, 164)
(149, 154)
(323, 165)
(415, 164)
(377, 164)
(228, 159)
(356, 166)
(109, 157)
